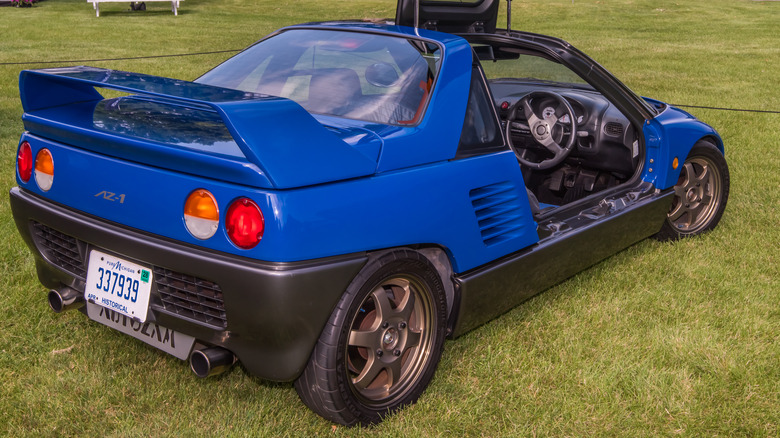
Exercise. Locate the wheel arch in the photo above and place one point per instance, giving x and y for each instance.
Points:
(714, 139)
(711, 138)
(440, 258)
(349, 351)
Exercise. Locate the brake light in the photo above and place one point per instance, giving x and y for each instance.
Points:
(201, 214)
(244, 223)
(24, 163)
(44, 169)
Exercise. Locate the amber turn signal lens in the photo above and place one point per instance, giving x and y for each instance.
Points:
(675, 163)
(44, 169)
(24, 162)
(201, 214)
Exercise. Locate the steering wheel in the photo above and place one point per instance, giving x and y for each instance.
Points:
(544, 129)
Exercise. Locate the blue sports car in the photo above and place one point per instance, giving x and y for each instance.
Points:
(330, 204)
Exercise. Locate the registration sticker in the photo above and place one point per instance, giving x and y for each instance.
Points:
(119, 285)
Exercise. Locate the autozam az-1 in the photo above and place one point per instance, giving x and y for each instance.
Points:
(330, 204)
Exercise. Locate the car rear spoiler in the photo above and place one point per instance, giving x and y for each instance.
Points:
(283, 145)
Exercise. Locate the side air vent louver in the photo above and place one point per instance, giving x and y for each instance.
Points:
(498, 212)
(613, 129)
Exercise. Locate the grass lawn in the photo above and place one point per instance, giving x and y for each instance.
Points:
(662, 339)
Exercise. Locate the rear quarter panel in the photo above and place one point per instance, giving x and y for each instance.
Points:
(432, 204)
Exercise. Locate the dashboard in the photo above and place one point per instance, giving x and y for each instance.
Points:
(606, 140)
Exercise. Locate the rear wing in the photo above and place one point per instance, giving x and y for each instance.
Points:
(283, 146)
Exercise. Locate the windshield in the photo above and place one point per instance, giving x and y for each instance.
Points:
(527, 68)
(359, 76)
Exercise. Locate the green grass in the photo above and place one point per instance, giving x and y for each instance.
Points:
(662, 339)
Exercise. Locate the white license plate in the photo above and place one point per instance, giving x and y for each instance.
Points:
(118, 284)
(165, 339)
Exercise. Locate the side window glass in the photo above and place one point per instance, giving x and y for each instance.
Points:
(481, 131)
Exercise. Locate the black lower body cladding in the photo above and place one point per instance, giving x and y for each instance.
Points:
(273, 312)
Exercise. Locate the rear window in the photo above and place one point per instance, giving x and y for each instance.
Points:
(376, 78)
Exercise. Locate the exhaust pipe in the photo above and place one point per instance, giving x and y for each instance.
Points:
(211, 361)
(65, 299)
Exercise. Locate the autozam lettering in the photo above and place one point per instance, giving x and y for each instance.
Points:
(111, 196)
(148, 329)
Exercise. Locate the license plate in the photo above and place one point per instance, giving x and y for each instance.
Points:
(118, 284)
(165, 339)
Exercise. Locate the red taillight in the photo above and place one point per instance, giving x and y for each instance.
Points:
(244, 223)
(24, 162)
(44, 169)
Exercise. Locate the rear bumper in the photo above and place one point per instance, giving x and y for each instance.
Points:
(272, 313)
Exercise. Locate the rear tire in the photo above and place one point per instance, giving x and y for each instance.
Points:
(380, 348)
(700, 194)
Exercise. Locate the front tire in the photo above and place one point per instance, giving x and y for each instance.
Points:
(382, 343)
(700, 194)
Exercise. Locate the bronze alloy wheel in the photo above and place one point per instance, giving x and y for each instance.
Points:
(697, 195)
(390, 340)
(380, 348)
(700, 194)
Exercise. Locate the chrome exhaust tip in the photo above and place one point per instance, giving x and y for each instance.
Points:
(64, 299)
(211, 361)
